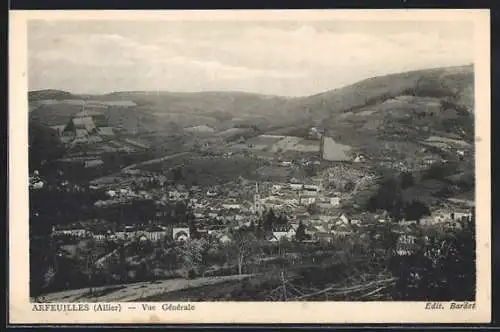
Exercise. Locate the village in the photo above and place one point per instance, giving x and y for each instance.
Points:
(220, 210)
(301, 191)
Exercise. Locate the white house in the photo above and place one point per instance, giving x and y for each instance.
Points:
(279, 236)
(307, 200)
(37, 185)
(406, 244)
(359, 158)
(111, 193)
(78, 232)
(342, 219)
(231, 207)
(225, 239)
(460, 215)
(99, 236)
(335, 201)
(180, 233)
(311, 187)
(355, 222)
(296, 186)
(155, 234)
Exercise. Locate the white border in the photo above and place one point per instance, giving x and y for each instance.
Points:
(20, 310)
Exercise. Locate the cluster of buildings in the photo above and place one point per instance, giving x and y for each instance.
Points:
(150, 232)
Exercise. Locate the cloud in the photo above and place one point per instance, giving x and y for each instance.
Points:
(268, 58)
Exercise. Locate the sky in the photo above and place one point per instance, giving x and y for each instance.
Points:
(287, 58)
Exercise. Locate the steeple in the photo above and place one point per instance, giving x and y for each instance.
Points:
(256, 200)
(84, 109)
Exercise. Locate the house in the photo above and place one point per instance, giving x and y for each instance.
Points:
(37, 185)
(213, 215)
(307, 200)
(106, 131)
(142, 237)
(407, 222)
(343, 219)
(321, 229)
(359, 159)
(341, 231)
(278, 236)
(295, 186)
(406, 245)
(155, 233)
(100, 235)
(284, 235)
(276, 187)
(59, 129)
(460, 215)
(311, 187)
(92, 163)
(211, 193)
(180, 234)
(121, 235)
(76, 230)
(111, 193)
(175, 195)
(335, 201)
(225, 239)
(324, 237)
(441, 216)
(427, 161)
(235, 207)
(310, 230)
(356, 222)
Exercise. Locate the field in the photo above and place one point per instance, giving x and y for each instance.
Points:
(277, 144)
(333, 151)
(444, 142)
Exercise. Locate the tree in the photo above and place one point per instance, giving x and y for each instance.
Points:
(44, 145)
(269, 221)
(192, 253)
(312, 208)
(281, 222)
(191, 221)
(300, 234)
(406, 180)
(88, 255)
(415, 210)
(388, 196)
(349, 186)
(243, 246)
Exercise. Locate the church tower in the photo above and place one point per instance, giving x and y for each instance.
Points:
(257, 204)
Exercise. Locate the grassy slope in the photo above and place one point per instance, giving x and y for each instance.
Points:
(226, 105)
(363, 115)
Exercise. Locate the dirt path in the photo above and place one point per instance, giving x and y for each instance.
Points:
(136, 291)
(155, 161)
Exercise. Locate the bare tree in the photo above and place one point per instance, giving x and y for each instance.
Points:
(89, 256)
(244, 245)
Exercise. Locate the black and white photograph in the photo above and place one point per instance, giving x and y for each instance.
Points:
(299, 160)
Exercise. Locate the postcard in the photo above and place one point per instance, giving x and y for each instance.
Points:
(265, 166)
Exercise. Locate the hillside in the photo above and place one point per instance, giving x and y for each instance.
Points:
(404, 107)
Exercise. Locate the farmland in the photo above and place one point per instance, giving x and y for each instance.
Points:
(276, 144)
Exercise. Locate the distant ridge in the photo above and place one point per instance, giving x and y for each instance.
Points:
(50, 94)
(366, 104)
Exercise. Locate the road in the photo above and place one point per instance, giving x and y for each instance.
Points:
(155, 161)
(135, 291)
